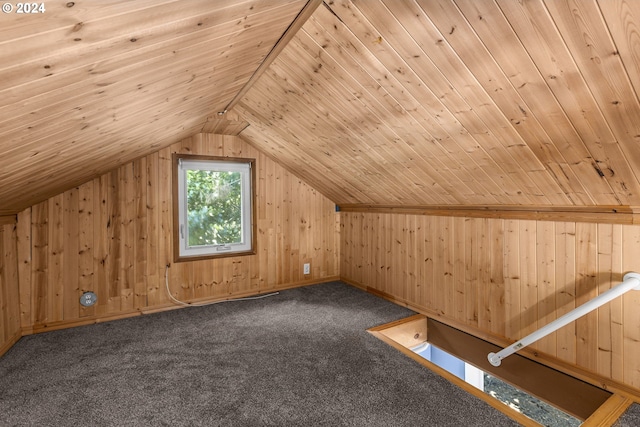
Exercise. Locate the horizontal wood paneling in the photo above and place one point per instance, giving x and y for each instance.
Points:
(9, 297)
(506, 278)
(112, 236)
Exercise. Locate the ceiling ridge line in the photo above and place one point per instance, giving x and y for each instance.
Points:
(297, 23)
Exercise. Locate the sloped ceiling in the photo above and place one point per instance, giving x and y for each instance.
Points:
(86, 86)
(395, 102)
(458, 102)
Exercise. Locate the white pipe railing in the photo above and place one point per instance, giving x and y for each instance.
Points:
(631, 282)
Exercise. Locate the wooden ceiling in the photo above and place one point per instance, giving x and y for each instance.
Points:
(89, 85)
(458, 102)
(389, 103)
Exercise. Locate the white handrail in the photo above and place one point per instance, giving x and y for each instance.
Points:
(631, 282)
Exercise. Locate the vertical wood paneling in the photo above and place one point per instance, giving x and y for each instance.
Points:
(512, 275)
(545, 258)
(85, 244)
(483, 281)
(496, 278)
(471, 272)
(23, 232)
(565, 273)
(154, 268)
(112, 235)
(631, 313)
(5, 335)
(69, 285)
(9, 292)
(528, 277)
(507, 278)
(101, 257)
(55, 277)
(140, 225)
(40, 263)
(586, 289)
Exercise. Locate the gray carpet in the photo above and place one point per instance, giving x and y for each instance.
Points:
(631, 418)
(302, 357)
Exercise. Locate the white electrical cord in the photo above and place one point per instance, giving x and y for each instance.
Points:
(187, 304)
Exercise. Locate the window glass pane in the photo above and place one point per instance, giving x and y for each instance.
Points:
(214, 207)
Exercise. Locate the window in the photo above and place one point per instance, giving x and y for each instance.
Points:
(213, 207)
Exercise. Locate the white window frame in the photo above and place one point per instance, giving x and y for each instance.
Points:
(183, 251)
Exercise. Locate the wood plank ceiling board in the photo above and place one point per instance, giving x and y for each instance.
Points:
(388, 103)
(537, 32)
(493, 79)
(455, 102)
(371, 133)
(365, 131)
(87, 87)
(443, 124)
(444, 160)
(282, 145)
(494, 30)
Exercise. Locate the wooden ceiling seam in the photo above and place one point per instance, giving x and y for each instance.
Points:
(282, 42)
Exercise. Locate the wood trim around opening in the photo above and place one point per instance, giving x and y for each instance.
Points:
(405, 333)
(523, 420)
(552, 386)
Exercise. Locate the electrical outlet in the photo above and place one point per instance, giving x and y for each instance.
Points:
(307, 268)
(88, 299)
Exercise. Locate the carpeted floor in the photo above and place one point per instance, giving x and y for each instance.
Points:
(631, 418)
(302, 357)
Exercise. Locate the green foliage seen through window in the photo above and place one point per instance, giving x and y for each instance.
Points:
(214, 209)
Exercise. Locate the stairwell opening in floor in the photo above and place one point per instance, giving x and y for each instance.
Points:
(527, 391)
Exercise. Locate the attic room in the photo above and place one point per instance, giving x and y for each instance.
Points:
(474, 163)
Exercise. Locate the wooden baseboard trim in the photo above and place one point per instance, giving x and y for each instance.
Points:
(64, 324)
(10, 343)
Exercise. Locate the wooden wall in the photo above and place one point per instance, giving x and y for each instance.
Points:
(9, 300)
(112, 236)
(506, 278)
